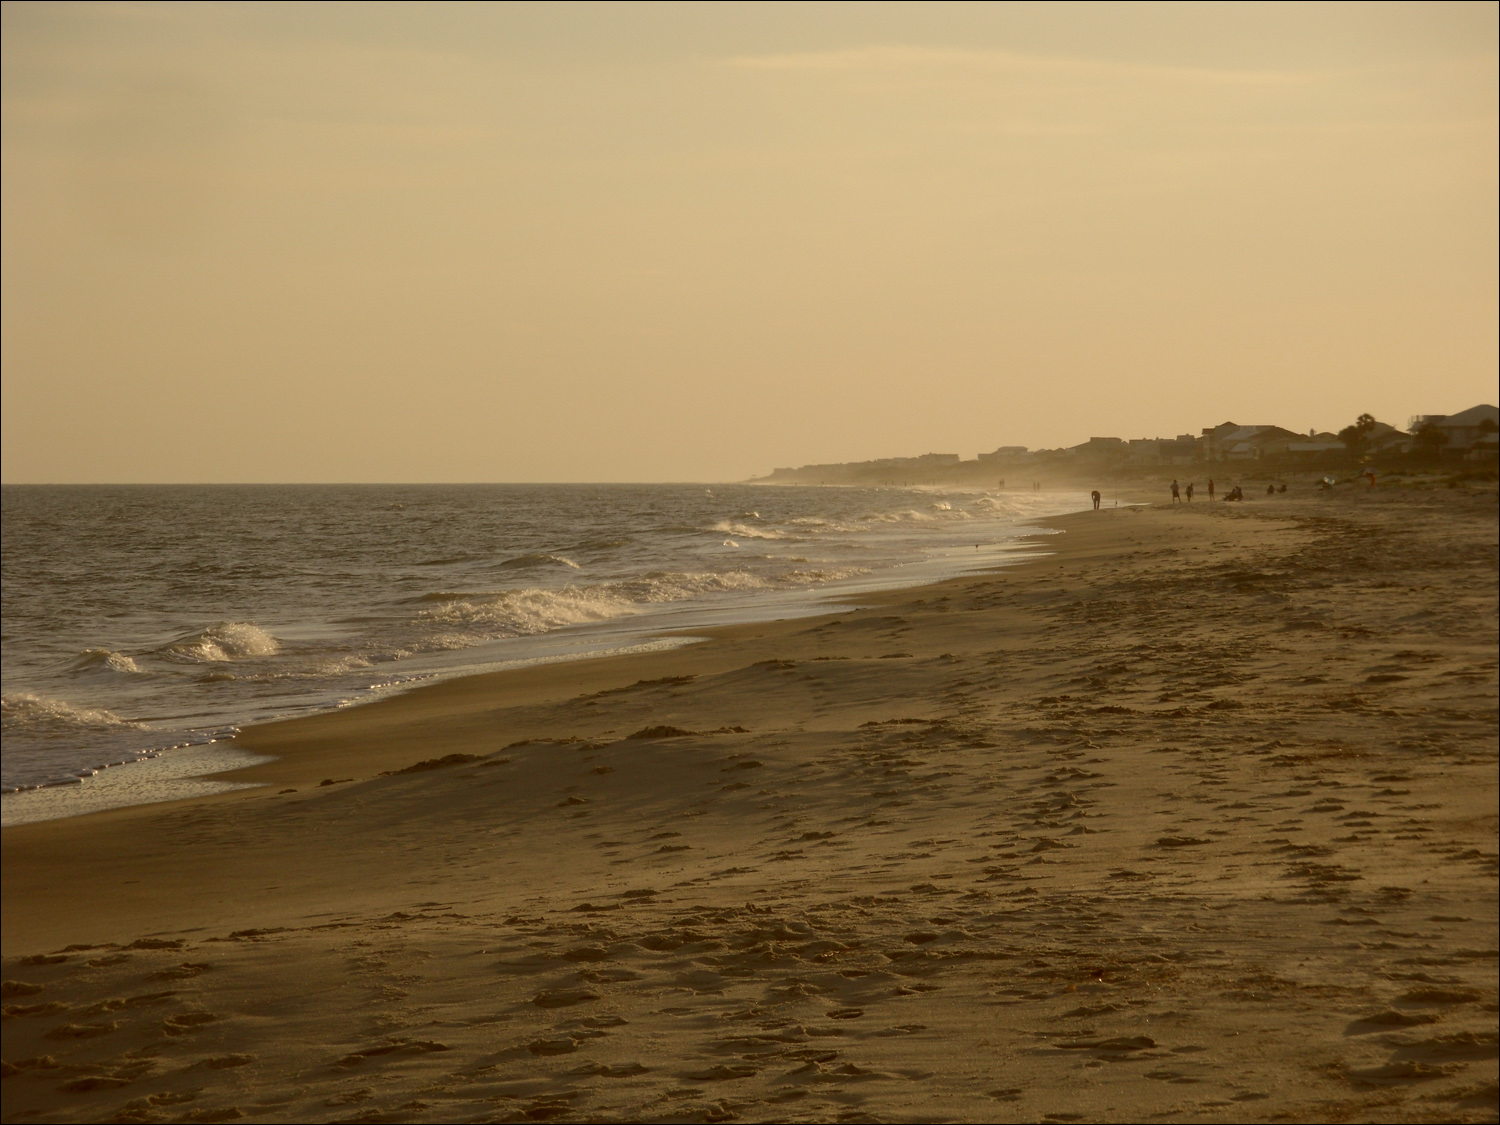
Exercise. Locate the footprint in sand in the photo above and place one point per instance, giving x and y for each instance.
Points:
(588, 953)
(564, 1046)
(1398, 1072)
(92, 1082)
(1459, 1045)
(82, 1030)
(50, 1008)
(186, 971)
(722, 1073)
(622, 1070)
(1385, 1020)
(1438, 997)
(396, 1047)
(564, 997)
(187, 1022)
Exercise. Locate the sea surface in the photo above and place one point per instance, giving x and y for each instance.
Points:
(138, 619)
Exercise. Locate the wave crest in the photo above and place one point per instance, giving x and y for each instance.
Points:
(228, 640)
(744, 531)
(23, 709)
(525, 612)
(460, 620)
(103, 660)
(676, 586)
(539, 560)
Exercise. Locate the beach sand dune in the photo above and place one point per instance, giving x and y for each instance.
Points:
(1193, 817)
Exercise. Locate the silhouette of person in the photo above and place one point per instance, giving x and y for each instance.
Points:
(1095, 495)
(1210, 490)
(1190, 492)
(1176, 496)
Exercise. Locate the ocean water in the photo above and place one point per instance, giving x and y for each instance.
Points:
(137, 619)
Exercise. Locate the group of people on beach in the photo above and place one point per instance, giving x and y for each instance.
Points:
(1235, 493)
(1179, 491)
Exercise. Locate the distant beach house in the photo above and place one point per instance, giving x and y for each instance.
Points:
(1181, 450)
(1312, 445)
(1005, 453)
(1098, 447)
(1231, 442)
(1471, 433)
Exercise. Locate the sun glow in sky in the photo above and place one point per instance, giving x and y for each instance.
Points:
(390, 242)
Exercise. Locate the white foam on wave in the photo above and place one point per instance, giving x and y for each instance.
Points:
(525, 612)
(1001, 506)
(745, 531)
(676, 586)
(23, 709)
(339, 665)
(228, 640)
(822, 523)
(462, 620)
(318, 670)
(104, 660)
(911, 515)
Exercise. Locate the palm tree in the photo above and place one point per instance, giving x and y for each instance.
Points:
(1356, 438)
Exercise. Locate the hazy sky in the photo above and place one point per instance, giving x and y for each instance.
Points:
(390, 242)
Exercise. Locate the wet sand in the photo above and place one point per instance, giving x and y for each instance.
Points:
(1194, 817)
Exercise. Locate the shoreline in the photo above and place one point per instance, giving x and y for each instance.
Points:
(1078, 822)
(611, 618)
(658, 627)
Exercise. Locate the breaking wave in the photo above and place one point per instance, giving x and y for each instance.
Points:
(228, 640)
(103, 660)
(464, 619)
(745, 531)
(517, 613)
(538, 560)
(24, 710)
(999, 506)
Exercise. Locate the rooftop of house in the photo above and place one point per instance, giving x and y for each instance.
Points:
(1470, 417)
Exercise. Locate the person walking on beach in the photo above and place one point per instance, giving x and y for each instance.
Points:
(1095, 495)
(1190, 492)
(1210, 490)
(1176, 496)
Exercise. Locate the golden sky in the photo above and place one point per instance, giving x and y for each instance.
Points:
(390, 242)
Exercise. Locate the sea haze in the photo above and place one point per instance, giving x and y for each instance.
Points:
(138, 618)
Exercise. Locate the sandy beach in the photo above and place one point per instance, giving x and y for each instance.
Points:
(1192, 817)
